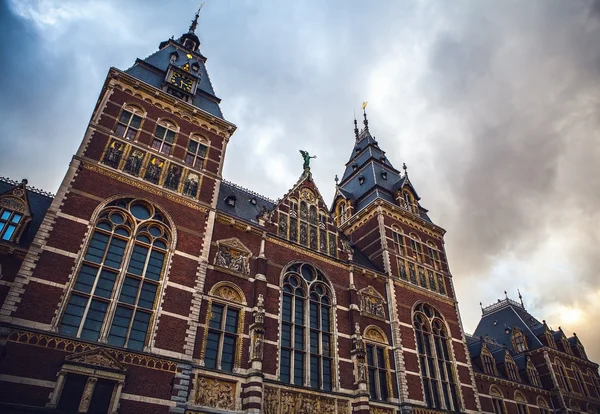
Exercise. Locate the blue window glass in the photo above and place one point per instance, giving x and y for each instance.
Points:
(138, 260)
(8, 232)
(73, 314)
(222, 338)
(94, 320)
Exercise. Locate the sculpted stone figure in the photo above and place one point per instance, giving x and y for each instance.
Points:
(307, 158)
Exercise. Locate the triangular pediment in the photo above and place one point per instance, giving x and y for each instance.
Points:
(235, 244)
(16, 199)
(98, 358)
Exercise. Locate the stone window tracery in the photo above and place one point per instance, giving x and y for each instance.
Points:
(435, 359)
(113, 296)
(164, 136)
(595, 382)
(371, 302)
(307, 225)
(224, 324)
(307, 344)
(130, 122)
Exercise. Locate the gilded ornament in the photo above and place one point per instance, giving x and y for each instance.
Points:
(214, 393)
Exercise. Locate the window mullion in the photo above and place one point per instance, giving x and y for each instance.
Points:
(114, 301)
(221, 337)
(306, 338)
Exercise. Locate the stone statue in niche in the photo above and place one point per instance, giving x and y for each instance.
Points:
(359, 344)
(113, 154)
(257, 351)
(361, 370)
(173, 176)
(232, 259)
(190, 187)
(259, 314)
(134, 162)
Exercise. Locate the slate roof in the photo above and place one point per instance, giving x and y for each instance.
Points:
(153, 70)
(39, 202)
(246, 210)
(507, 314)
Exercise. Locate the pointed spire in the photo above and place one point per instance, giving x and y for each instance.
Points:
(365, 121)
(520, 297)
(337, 181)
(481, 306)
(194, 24)
(355, 128)
(505, 294)
(405, 168)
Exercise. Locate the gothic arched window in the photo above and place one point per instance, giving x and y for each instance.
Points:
(489, 365)
(532, 373)
(511, 368)
(164, 136)
(224, 324)
(561, 376)
(519, 341)
(129, 122)
(114, 292)
(306, 328)
(579, 378)
(435, 358)
(378, 364)
(543, 406)
(497, 400)
(521, 403)
(595, 383)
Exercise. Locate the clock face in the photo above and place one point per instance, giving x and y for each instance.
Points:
(182, 81)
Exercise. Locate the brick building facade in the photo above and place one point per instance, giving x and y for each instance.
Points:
(150, 284)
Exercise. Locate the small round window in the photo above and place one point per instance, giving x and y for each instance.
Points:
(140, 211)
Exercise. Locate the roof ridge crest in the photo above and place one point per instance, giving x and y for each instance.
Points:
(254, 193)
(29, 187)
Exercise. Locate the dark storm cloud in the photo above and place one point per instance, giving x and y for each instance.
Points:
(495, 106)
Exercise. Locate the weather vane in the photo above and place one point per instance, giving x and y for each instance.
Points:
(307, 158)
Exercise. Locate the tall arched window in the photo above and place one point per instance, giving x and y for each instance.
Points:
(306, 328)
(378, 364)
(579, 378)
(489, 365)
(511, 368)
(543, 406)
(595, 383)
(519, 341)
(532, 373)
(521, 403)
(435, 358)
(561, 376)
(497, 400)
(120, 275)
(224, 324)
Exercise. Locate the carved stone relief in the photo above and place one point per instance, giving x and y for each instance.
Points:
(371, 302)
(228, 293)
(282, 401)
(214, 393)
(233, 255)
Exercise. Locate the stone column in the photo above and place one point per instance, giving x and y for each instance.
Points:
(86, 398)
(60, 383)
(114, 402)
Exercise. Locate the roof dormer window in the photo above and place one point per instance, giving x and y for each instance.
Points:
(174, 57)
(384, 175)
(230, 201)
(253, 201)
(9, 221)
(361, 179)
(354, 167)
(195, 67)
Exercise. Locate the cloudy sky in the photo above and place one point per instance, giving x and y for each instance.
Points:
(493, 105)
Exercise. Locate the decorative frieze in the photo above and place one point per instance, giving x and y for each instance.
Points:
(284, 401)
(371, 302)
(233, 255)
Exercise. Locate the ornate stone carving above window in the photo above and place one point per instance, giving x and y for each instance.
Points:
(233, 255)
(371, 302)
(227, 292)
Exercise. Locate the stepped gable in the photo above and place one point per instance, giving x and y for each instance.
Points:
(37, 202)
